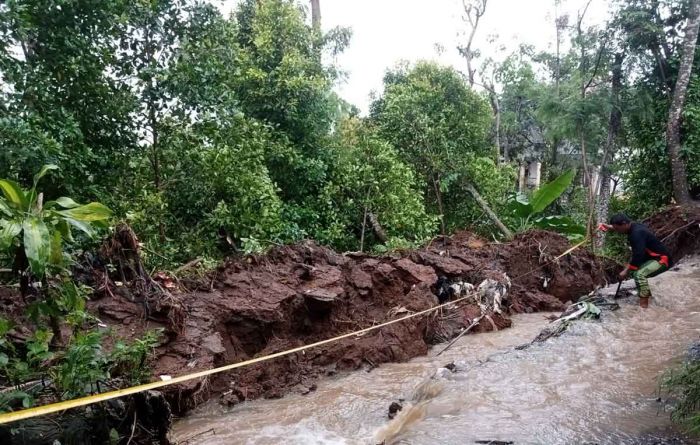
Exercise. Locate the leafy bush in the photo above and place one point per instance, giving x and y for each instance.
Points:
(34, 235)
(683, 383)
(35, 230)
(130, 359)
(368, 176)
(76, 370)
(526, 212)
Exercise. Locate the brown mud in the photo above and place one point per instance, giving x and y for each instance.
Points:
(300, 294)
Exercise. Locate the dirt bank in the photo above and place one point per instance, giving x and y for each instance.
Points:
(678, 228)
(301, 294)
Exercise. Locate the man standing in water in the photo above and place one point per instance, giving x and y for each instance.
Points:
(649, 256)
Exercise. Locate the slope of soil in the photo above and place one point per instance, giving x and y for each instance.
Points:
(678, 228)
(300, 294)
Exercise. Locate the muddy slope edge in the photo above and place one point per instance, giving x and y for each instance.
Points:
(300, 294)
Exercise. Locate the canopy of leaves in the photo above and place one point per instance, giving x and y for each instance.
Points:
(435, 121)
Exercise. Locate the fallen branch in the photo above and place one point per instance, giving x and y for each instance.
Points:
(186, 266)
(678, 229)
(485, 207)
(186, 441)
(474, 323)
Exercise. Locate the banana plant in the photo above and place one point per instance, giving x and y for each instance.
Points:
(36, 231)
(527, 211)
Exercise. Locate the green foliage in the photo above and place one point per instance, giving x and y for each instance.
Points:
(83, 365)
(62, 105)
(37, 231)
(550, 192)
(9, 399)
(524, 211)
(523, 207)
(435, 121)
(369, 177)
(691, 133)
(440, 127)
(130, 359)
(494, 183)
(683, 383)
(78, 369)
(19, 365)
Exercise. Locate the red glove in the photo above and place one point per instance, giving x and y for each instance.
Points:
(603, 227)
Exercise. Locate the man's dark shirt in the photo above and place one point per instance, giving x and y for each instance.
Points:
(646, 246)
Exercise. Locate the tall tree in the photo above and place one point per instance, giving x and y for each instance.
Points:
(316, 14)
(440, 126)
(61, 105)
(561, 22)
(614, 127)
(149, 47)
(473, 11)
(673, 136)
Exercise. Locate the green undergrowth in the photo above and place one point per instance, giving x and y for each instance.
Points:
(683, 384)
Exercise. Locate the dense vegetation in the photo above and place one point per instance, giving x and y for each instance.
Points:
(215, 135)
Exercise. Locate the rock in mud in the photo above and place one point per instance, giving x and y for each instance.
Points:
(394, 408)
(451, 366)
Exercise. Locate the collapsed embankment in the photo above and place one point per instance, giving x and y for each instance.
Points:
(297, 295)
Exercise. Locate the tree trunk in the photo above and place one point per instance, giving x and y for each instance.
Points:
(377, 228)
(364, 226)
(557, 76)
(602, 206)
(553, 158)
(438, 197)
(614, 125)
(316, 14)
(364, 221)
(485, 206)
(583, 68)
(673, 137)
(20, 266)
(473, 11)
(151, 105)
(557, 67)
(521, 178)
(497, 121)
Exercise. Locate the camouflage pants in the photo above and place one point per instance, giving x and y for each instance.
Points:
(649, 269)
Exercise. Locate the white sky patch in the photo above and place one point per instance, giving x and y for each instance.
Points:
(388, 31)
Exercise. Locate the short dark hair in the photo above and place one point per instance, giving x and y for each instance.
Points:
(620, 219)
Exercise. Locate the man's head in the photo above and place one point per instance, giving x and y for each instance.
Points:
(621, 223)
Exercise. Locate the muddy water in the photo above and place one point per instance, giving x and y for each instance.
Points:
(597, 383)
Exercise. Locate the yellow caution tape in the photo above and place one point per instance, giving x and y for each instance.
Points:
(102, 397)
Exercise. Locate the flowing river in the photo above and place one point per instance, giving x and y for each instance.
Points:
(595, 384)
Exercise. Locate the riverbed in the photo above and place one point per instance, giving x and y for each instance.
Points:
(597, 383)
